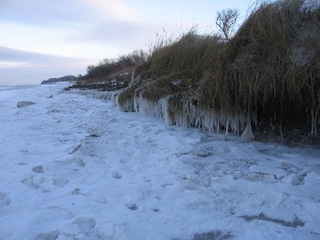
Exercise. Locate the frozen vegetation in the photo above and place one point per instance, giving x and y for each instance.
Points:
(263, 82)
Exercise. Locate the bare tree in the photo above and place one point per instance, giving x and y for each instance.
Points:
(226, 19)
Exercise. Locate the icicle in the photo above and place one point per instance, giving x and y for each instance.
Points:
(165, 111)
(247, 134)
(183, 113)
(114, 97)
(126, 105)
(218, 123)
(227, 128)
(148, 107)
(136, 103)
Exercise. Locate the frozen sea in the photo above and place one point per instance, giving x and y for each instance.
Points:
(74, 167)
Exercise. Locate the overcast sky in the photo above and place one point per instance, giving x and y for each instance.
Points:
(41, 39)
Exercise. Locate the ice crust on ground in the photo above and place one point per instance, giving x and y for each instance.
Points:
(74, 167)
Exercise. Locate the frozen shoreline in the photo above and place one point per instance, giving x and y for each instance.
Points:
(74, 167)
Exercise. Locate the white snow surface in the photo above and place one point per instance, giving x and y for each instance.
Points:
(74, 167)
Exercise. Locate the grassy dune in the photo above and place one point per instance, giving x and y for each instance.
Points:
(263, 82)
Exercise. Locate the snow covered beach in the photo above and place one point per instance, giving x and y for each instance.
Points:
(74, 167)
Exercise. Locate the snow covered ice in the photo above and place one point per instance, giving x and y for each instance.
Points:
(74, 167)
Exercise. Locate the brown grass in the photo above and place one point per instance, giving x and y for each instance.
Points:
(271, 65)
(269, 71)
(176, 67)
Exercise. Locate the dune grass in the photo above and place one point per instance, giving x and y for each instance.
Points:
(270, 69)
(269, 72)
(177, 67)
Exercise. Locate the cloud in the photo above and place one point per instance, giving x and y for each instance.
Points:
(64, 13)
(11, 64)
(11, 55)
(19, 67)
(127, 36)
(78, 28)
(18, 58)
(114, 10)
(42, 13)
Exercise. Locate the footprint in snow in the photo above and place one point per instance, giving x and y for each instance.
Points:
(77, 191)
(108, 230)
(77, 161)
(48, 236)
(117, 175)
(62, 212)
(29, 182)
(80, 162)
(60, 182)
(132, 207)
(156, 210)
(38, 169)
(79, 228)
(5, 200)
(37, 182)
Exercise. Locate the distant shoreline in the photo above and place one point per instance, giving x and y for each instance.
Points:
(15, 87)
